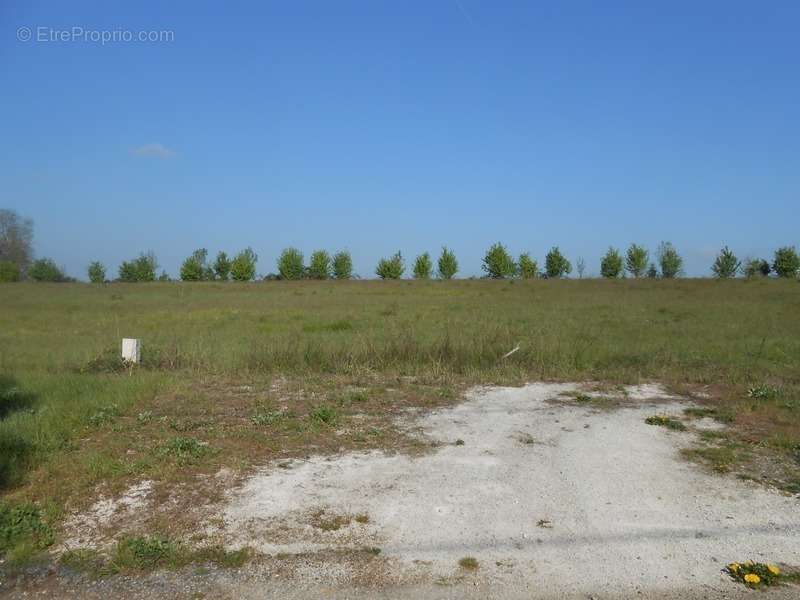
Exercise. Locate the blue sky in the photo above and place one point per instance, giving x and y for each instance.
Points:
(377, 126)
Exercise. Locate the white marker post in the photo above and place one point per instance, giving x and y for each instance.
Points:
(131, 350)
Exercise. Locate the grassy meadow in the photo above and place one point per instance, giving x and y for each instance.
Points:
(234, 374)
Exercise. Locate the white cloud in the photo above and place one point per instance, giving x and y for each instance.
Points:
(154, 150)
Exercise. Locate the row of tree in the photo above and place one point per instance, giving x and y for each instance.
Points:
(17, 262)
(498, 263)
(786, 263)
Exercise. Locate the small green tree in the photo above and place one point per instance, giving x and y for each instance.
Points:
(755, 267)
(652, 272)
(726, 264)
(127, 271)
(611, 264)
(498, 263)
(391, 268)
(163, 277)
(194, 268)
(142, 268)
(342, 265)
(97, 272)
(636, 260)
(222, 266)
(9, 271)
(243, 265)
(146, 265)
(319, 266)
(423, 266)
(528, 269)
(448, 265)
(290, 264)
(670, 261)
(786, 262)
(556, 264)
(45, 269)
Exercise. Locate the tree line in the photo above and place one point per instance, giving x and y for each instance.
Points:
(17, 263)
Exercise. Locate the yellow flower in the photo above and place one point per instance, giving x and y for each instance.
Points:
(733, 566)
(773, 569)
(752, 578)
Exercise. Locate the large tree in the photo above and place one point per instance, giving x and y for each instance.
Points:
(16, 239)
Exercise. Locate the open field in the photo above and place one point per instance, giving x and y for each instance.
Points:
(239, 375)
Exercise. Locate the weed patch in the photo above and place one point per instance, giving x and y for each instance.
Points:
(268, 417)
(23, 533)
(756, 574)
(185, 449)
(104, 415)
(144, 553)
(721, 459)
(763, 392)
(326, 415)
(665, 421)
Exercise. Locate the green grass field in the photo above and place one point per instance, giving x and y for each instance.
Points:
(71, 418)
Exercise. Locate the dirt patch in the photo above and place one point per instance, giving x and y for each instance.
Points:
(613, 492)
(96, 527)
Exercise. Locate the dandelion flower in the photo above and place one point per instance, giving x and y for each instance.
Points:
(734, 567)
(752, 578)
(773, 569)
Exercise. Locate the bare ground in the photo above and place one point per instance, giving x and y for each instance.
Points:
(553, 492)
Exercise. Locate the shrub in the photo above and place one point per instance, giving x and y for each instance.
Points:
(44, 269)
(290, 264)
(194, 268)
(448, 265)
(342, 265)
(97, 272)
(9, 271)
(163, 276)
(391, 268)
(528, 269)
(423, 266)
(670, 261)
(319, 266)
(652, 272)
(726, 264)
(636, 260)
(142, 268)
(787, 262)
(222, 267)
(755, 267)
(498, 263)
(243, 265)
(611, 264)
(556, 265)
